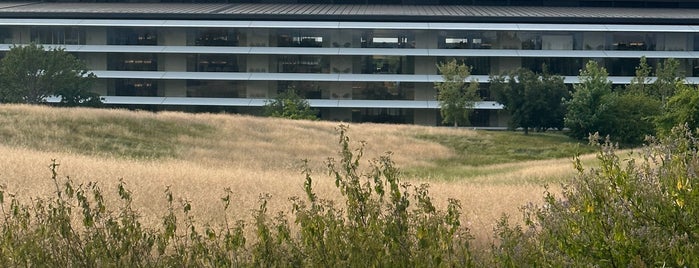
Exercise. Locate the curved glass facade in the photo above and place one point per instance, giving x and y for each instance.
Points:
(352, 71)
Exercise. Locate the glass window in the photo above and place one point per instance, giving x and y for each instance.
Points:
(387, 65)
(478, 65)
(215, 63)
(305, 89)
(136, 87)
(58, 35)
(633, 41)
(132, 36)
(132, 62)
(621, 66)
(300, 38)
(213, 37)
(466, 39)
(388, 39)
(302, 64)
(6, 35)
(559, 66)
(383, 115)
(215, 89)
(383, 90)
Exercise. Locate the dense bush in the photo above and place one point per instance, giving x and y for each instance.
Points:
(628, 117)
(681, 108)
(533, 100)
(635, 211)
(383, 222)
(290, 105)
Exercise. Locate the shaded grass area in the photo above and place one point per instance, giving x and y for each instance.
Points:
(494, 153)
(130, 137)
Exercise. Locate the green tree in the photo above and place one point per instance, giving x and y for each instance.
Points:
(682, 108)
(584, 108)
(668, 77)
(627, 116)
(641, 83)
(664, 86)
(289, 104)
(532, 100)
(456, 99)
(30, 74)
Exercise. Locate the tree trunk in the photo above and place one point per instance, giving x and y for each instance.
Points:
(526, 130)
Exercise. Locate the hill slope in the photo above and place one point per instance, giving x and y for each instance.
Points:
(198, 155)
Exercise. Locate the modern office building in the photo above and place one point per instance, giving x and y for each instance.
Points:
(364, 61)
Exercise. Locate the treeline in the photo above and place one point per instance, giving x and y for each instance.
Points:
(627, 113)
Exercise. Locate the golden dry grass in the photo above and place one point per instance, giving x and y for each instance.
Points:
(252, 156)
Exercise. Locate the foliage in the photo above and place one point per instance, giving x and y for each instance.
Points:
(668, 77)
(386, 222)
(30, 74)
(665, 85)
(628, 118)
(584, 108)
(456, 99)
(682, 108)
(637, 212)
(533, 100)
(289, 104)
(382, 222)
(641, 83)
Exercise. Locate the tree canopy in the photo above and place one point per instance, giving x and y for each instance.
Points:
(533, 100)
(583, 115)
(289, 104)
(456, 98)
(30, 74)
(682, 108)
(626, 115)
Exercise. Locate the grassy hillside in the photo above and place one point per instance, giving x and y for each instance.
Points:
(198, 155)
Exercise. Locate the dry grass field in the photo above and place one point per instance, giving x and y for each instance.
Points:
(199, 155)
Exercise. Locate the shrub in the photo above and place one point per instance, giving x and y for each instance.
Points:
(289, 104)
(640, 211)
